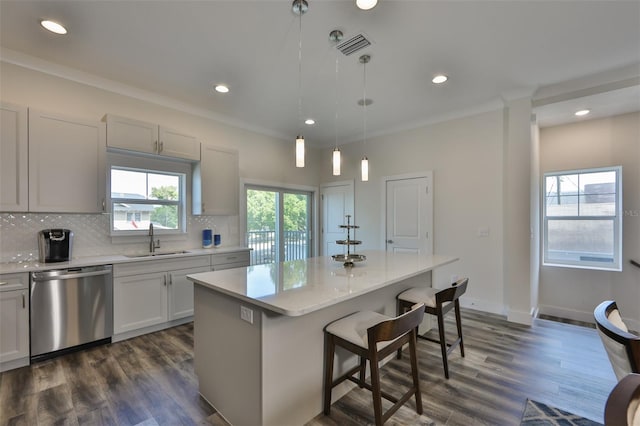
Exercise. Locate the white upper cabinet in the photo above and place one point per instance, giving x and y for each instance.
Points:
(216, 182)
(66, 164)
(177, 144)
(134, 135)
(14, 173)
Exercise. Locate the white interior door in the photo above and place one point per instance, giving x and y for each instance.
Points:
(409, 214)
(337, 201)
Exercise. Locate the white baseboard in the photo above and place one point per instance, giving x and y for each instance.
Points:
(584, 316)
(482, 305)
(151, 329)
(520, 317)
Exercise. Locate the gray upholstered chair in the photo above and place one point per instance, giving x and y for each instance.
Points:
(623, 348)
(373, 336)
(623, 404)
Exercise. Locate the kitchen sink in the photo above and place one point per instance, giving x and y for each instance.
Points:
(165, 253)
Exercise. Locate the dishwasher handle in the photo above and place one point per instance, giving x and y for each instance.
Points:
(42, 277)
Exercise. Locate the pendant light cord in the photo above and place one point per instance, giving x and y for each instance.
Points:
(364, 104)
(336, 98)
(300, 71)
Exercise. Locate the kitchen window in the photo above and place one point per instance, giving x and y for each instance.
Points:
(582, 218)
(144, 192)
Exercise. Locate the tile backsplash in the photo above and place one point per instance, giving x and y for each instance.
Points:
(18, 241)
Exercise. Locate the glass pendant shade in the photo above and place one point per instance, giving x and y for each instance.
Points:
(299, 151)
(364, 168)
(336, 162)
(366, 4)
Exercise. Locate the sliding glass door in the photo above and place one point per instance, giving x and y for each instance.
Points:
(278, 224)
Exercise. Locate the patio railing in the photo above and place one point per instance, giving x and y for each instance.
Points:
(265, 246)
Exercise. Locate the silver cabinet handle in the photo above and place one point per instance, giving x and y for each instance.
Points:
(155, 146)
(165, 280)
(170, 279)
(161, 148)
(4, 282)
(23, 302)
(104, 205)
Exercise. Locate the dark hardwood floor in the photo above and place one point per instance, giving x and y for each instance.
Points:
(149, 380)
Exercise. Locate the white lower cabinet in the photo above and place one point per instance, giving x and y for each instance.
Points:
(230, 260)
(14, 321)
(152, 294)
(181, 293)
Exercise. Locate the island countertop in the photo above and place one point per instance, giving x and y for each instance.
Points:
(299, 287)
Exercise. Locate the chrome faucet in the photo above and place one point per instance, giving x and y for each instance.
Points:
(152, 245)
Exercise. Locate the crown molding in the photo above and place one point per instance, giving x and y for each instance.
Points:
(37, 64)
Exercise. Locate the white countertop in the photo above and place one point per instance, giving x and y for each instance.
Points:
(298, 287)
(9, 268)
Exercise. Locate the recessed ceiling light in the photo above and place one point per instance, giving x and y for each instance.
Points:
(440, 78)
(221, 88)
(366, 4)
(54, 27)
(582, 112)
(310, 121)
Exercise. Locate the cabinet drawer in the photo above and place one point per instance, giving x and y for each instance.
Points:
(160, 265)
(17, 281)
(241, 258)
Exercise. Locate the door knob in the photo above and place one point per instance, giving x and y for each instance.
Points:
(389, 241)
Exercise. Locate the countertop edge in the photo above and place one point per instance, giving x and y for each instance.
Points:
(443, 260)
(32, 266)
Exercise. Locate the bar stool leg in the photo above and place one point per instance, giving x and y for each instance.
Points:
(459, 325)
(363, 366)
(414, 371)
(443, 344)
(375, 389)
(329, 349)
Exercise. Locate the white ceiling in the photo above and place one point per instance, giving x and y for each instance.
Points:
(491, 50)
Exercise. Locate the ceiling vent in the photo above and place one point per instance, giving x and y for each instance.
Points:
(353, 45)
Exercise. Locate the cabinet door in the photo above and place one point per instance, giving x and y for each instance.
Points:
(14, 325)
(181, 293)
(216, 182)
(66, 164)
(178, 145)
(139, 301)
(132, 135)
(14, 183)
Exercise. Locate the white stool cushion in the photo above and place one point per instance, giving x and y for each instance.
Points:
(426, 295)
(616, 319)
(354, 328)
(633, 412)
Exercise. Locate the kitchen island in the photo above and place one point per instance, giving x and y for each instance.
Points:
(258, 331)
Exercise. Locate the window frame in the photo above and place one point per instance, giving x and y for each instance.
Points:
(149, 165)
(616, 219)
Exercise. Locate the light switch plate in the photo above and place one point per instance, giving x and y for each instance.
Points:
(246, 314)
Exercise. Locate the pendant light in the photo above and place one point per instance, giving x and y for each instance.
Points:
(364, 164)
(336, 36)
(366, 4)
(300, 7)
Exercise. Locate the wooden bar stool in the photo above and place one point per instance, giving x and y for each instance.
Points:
(373, 336)
(437, 302)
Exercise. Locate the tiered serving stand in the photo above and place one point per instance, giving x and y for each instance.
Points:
(349, 259)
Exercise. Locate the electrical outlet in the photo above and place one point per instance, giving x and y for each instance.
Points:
(246, 314)
(483, 231)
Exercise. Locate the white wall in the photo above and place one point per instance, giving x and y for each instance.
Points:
(574, 293)
(261, 157)
(466, 157)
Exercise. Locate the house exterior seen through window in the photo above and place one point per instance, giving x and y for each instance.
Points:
(140, 197)
(582, 218)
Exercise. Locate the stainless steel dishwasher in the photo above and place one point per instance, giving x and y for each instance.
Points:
(70, 309)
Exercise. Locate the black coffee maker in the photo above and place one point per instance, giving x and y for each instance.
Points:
(54, 245)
